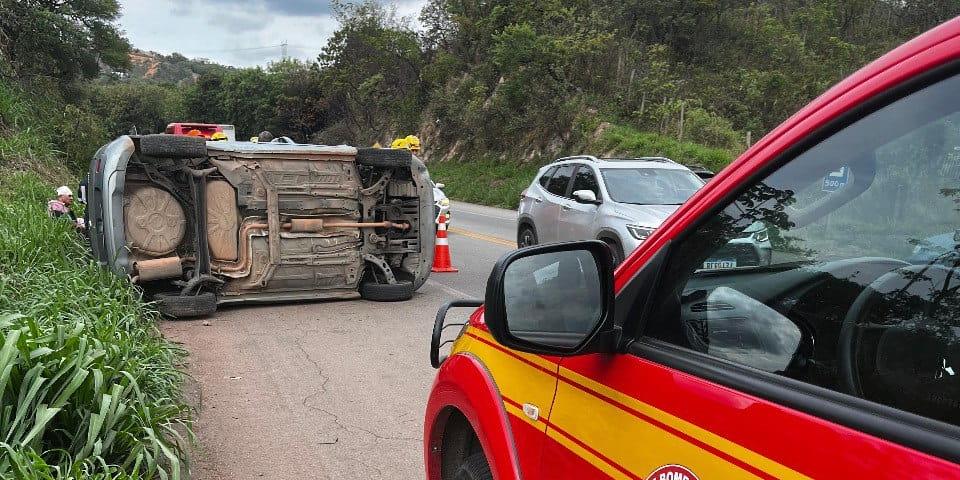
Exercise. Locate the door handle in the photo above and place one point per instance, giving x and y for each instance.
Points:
(565, 207)
(538, 200)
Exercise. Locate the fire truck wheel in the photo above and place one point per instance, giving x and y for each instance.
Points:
(474, 467)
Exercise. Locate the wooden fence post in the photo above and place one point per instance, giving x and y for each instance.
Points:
(683, 106)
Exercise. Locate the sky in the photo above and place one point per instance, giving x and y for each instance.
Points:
(242, 33)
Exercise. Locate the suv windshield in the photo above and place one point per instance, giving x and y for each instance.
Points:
(650, 186)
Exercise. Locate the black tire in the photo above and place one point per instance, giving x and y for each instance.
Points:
(474, 467)
(526, 236)
(387, 292)
(616, 250)
(173, 146)
(175, 306)
(384, 157)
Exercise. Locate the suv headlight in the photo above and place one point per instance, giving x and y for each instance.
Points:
(444, 202)
(638, 232)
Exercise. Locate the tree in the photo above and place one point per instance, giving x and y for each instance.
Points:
(301, 105)
(371, 67)
(65, 39)
(147, 106)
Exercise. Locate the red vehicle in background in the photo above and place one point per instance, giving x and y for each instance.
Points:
(839, 359)
(205, 130)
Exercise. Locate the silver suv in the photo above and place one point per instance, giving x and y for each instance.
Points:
(617, 200)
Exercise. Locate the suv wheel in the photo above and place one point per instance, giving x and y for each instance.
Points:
(474, 467)
(616, 250)
(526, 237)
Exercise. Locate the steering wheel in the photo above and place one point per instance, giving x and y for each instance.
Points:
(893, 282)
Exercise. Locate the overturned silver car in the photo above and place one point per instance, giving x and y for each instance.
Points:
(198, 223)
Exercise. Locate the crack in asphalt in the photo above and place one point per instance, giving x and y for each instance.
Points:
(307, 402)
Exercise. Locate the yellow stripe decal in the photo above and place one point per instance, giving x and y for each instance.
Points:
(609, 424)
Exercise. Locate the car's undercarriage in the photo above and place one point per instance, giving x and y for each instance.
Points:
(249, 221)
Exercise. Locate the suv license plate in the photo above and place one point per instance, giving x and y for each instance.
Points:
(717, 264)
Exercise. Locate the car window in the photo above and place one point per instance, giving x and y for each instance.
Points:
(560, 179)
(650, 186)
(586, 180)
(546, 176)
(839, 269)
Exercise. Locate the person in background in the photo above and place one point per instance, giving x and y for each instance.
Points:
(61, 206)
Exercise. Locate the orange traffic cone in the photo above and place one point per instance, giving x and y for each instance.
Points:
(441, 250)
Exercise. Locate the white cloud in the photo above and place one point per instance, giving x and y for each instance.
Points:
(241, 33)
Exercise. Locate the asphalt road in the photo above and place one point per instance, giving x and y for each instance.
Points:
(331, 390)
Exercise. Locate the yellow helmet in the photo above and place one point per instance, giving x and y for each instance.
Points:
(218, 136)
(413, 143)
(399, 143)
(410, 142)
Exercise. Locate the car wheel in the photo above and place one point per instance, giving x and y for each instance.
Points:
(526, 237)
(474, 467)
(617, 252)
(178, 306)
(387, 292)
(173, 146)
(384, 157)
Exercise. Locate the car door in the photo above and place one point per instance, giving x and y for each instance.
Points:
(840, 359)
(548, 218)
(577, 219)
(532, 199)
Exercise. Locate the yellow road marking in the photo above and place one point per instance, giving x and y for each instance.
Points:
(480, 236)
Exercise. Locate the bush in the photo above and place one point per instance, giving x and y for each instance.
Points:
(41, 132)
(498, 182)
(621, 140)
(485, 181)
(88, 387)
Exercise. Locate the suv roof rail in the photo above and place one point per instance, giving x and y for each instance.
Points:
(616, 159)
(578, 157)
(640, 159)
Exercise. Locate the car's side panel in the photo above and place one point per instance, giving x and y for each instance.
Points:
(533, 205)
(644, 416)
(577, 219)
(115, 156)
(464, 384)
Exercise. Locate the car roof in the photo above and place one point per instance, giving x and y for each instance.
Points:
(255, 148)
(639, 162)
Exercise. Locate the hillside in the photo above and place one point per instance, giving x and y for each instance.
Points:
(159, 68)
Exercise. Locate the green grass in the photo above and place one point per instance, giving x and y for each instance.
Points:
(627, 141)
(484, 181)
(498, 183)
(23, 139)
(88, 386)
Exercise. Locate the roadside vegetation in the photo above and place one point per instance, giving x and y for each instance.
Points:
(88, 387)
(498, 182)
